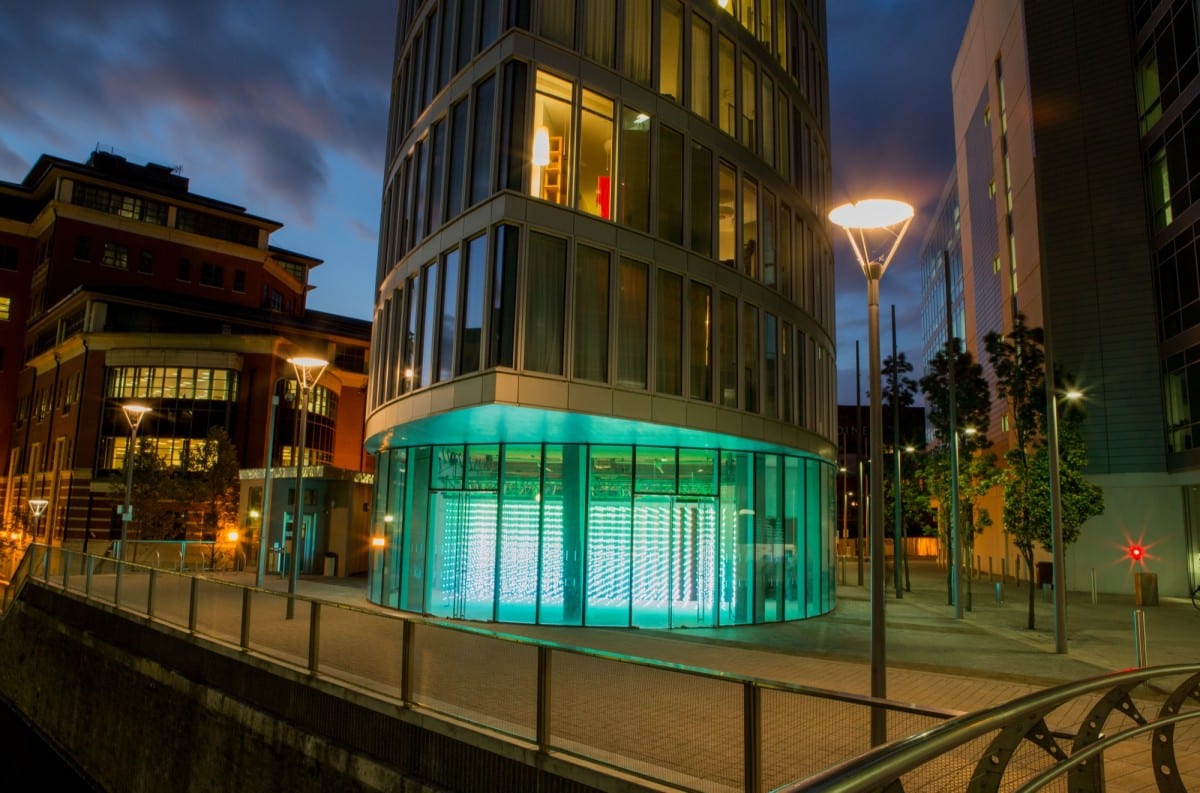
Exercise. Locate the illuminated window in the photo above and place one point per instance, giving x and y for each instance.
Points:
(670, 45)
(700, 99)
(594, 185)
(551, 135)
(5, 308)
(726, 80)
(115, 256)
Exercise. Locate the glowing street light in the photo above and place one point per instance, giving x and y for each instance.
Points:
(308, 371)
(37, 506)
(134, 413)
(1056, 528)
(886, 219)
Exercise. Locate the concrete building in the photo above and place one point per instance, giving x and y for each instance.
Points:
(118, 284)
(1072, 181)
(602, 381)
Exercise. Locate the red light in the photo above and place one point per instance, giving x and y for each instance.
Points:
(1136, 552)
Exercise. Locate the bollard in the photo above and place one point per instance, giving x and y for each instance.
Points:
(1004, 569)
(1139, 639)
(1046, 598)
(999, 593)
(991, 575)
(1095, 597)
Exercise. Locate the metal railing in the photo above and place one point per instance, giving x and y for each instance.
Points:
(674, 725)
(1129, 731)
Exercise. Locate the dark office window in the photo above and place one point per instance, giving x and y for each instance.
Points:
(8, 257)
(239, 280)
(185, 270)
(670, 186)
(504, 296)
(701, 209)
(147, 264)
(591, 314)
(83, 248)
(457, 160)
(468, 10)
(474, 270)
(437, 161)
(212, 275)
(512, 126)
(547, 260)
(481, 150)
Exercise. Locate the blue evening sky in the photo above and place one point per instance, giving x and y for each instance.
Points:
(281, 107)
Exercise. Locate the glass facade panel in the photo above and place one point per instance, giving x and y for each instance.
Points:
(544, 300)
(556, 22)
(481, 141)
(457, 159)
(632, 324)
(749, 127)
(768, 238)
(637, 29)
(672, 539)
(599, 30)
(551, 135)
(668, 373)
(700, 333)
(429, 293)
(609, 536)
(635, 169)
(594, 185)
(770, 366)
(591, 314)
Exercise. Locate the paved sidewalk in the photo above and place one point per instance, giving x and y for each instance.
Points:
(933, 659)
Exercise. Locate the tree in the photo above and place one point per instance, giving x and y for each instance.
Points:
(154, 491)
(977, 468)
(1019, 361)
(211, 470)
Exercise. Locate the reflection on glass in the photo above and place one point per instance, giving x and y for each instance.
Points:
(472, 323)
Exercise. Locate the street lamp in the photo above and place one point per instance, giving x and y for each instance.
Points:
(265, 524)
(308, 371)
(957, 551)
(1056, 527)
(37, 506)
(134, 413)
(883, 218)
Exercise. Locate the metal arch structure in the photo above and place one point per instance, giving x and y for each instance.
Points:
(1115, 717)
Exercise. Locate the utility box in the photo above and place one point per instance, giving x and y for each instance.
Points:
(331, 564)
(1145, 589)
(1045, 573)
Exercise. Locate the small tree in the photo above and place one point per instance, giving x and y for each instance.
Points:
(1019, 362)
(977, 471)
(154, 490)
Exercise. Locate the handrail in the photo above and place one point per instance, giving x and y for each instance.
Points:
(1021, 719)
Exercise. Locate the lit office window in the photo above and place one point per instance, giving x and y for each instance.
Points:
(632, 314)
(700, 99)
(701, 214)
(556, 21)
(727, 214)
(599, 30)
(635, 169)
(749, 128)
(595, 155)
(670, 45)
(591, 314)
(751, 256)
(551, 136)
(726, 81)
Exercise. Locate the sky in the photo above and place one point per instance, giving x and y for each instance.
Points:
(280, 106)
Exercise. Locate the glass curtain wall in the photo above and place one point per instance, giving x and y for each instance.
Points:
(604, 535)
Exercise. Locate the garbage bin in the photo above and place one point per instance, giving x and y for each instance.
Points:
(1145, 589)
(275, 558)
(1045, 573)
(331, 564)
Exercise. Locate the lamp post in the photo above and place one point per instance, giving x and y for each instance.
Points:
(1056, 527)
(265, 525)
(889, 218)
(37, 506)
(308, 371)
(958, 545)
(134, 413)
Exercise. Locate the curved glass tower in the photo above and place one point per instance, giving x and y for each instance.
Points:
(602, 376)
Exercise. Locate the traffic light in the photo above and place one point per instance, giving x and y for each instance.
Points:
(1136, 552)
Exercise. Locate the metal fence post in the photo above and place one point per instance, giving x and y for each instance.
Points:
(1139, 639)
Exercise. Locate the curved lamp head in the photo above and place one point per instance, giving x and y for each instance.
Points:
(308, 370)
(885, 218)
(134, 414)
(37, 506)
